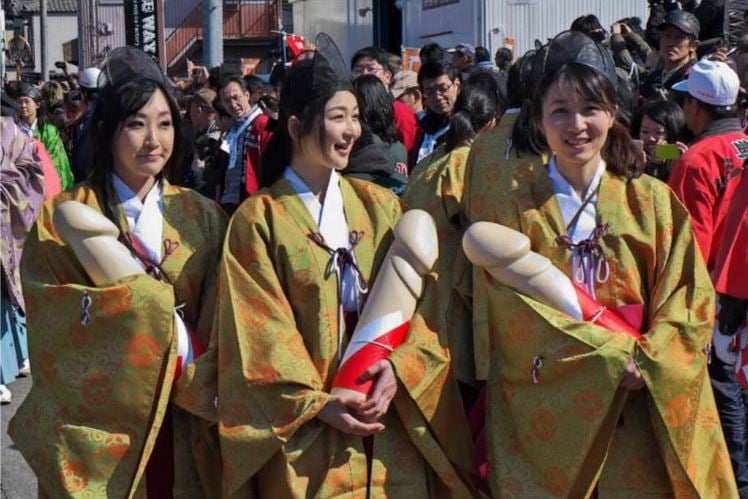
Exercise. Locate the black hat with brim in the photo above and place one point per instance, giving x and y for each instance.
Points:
(682, 20)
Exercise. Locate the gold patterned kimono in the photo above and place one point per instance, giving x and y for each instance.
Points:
(493, 170)
(101, 389)
(436, 186)
(276, 355)
(574, 428)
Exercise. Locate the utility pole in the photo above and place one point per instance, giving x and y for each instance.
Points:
(212, 33)
(43, 38)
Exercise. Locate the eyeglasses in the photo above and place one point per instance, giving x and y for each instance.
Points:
(434, 91)
(366, 70)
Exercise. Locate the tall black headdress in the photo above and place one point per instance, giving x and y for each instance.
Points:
(574, 47)
(319, 78)
(126, 64)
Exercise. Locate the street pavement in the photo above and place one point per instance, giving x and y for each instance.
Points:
(17, 481)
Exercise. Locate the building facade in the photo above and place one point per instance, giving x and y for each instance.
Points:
(357, 23)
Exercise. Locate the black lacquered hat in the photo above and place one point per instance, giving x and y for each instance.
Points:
(319, 78)
(574, 47)
(126, 64)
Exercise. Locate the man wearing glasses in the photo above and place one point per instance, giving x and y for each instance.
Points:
(439, 86)
(374, 61)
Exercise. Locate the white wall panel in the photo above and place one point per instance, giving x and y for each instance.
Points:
(447, 25)
(338, 18)
(526, 20)
(61, 28)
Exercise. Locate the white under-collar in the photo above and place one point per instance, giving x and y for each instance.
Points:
(570, 202)
(144, 218)
(253, 113)
(330, 216)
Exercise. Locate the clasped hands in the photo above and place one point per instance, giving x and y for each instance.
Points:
(348, 414)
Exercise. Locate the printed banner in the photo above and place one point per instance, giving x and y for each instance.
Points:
(141, 26)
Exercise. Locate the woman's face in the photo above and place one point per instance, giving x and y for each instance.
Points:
(575, 128)
(144, 142)
(341, 129)
(651, 134)
(27, 109)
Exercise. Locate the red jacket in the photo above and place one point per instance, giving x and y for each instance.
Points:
(406, 124)
(258, 139)
(705, 178)
(731, 264)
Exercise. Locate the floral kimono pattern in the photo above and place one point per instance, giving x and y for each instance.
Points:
(565, 427)
(102, 385)
(276, 354)
(436, 186)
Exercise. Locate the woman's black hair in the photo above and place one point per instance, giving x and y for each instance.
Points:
(489, 81)
(305, 100)
(520, 95)
(375, 108)
(622, 157)
(665, 113)
(475, 107)
(114, 105)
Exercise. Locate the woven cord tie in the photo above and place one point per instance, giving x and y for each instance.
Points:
(342, 259)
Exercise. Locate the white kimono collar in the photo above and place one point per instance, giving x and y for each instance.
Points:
(330, 216)
(570, 202)
(145, 218)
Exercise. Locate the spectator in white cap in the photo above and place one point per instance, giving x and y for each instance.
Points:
(705, 179)
(88, 80)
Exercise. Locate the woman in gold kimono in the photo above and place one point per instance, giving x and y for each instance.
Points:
(98, 421)
(436, 186)
(574, 408)
(297, 253)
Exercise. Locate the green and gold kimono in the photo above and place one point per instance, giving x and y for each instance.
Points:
(493, 170)
(277, 354)
(436, 186)
(573, 427)
(102, 385)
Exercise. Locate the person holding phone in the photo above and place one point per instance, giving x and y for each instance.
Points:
(660, 127)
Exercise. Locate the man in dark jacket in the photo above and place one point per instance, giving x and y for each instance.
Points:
(679, 40)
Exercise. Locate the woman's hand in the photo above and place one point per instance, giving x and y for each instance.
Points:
(632, 378)
(337, 413)
(385, 389)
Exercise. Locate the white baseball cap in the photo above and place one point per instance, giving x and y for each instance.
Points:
(711, 82)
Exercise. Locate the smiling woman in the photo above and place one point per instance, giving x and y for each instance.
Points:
(109, 354)
(144, 144)
(624, 239)
(299, 256)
